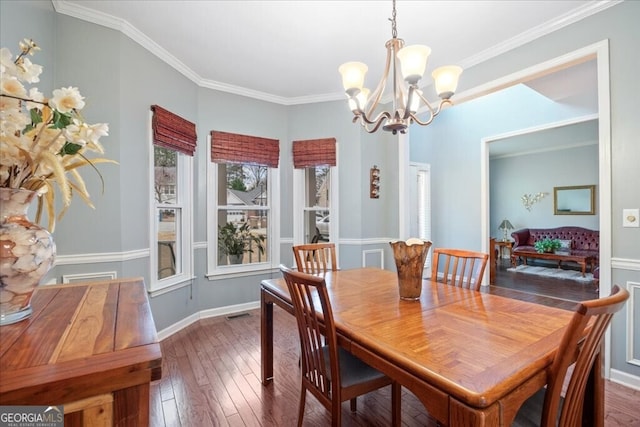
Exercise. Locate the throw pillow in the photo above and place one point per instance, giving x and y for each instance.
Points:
(565, 245)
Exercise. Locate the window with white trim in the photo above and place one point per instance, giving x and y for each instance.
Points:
(241, 199)
(314, 163)
(171, 154)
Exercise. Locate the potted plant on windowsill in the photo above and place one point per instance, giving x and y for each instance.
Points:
(547, 245)
(236, 240)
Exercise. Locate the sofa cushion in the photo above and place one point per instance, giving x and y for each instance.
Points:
(525, 248)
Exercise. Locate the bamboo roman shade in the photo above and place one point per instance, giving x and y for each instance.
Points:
(172, 131)
(314, 152)
(235, 148)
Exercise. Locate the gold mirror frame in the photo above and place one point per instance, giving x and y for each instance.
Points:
(574, 200)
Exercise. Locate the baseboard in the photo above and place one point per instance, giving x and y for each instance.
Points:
(205, 314)
(230, 309)
(178, 326)
(625, 379)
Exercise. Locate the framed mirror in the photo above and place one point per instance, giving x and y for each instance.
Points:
(575, 200)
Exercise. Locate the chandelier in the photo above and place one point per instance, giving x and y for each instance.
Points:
(407, 97)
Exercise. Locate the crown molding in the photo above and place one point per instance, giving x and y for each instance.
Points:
(237, 90)
(548, 27)
(109, 21)
(546, 150)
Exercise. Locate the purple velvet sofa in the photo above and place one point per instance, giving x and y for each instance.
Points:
(582, 240)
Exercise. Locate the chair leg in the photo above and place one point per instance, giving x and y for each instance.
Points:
(303, 395)
(396, 404)
(354, 404)
(336, 413)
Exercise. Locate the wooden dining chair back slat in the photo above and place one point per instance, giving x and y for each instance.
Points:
(330, 373)
(314, 258)
(580, 344)
(459, 267)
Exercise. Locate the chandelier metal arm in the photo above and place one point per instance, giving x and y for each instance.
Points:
(432, 113)
(384, 115)
(391, 45)
(374, 128)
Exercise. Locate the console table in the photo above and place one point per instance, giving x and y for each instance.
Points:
(91, 347)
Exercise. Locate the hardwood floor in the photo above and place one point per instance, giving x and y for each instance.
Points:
(565, 289)
(211, 373)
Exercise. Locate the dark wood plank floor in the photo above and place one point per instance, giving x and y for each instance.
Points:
(211, 373)
(565, 289)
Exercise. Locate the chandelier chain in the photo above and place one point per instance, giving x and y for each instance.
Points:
(394, 31)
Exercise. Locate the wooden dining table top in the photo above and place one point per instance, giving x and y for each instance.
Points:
(471, 345)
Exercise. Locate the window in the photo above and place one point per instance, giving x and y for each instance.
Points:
(314, 162)
(242, 214)
(173, 143)
(317, 209)
(241, 176)
(420, 203)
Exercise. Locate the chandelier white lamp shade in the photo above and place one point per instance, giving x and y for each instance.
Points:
(407, 65)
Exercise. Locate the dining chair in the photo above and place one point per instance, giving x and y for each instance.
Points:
(313, 258)
(328, 372)
(460, 267)
(547, 407)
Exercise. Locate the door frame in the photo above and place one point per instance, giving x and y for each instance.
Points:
(600, 52)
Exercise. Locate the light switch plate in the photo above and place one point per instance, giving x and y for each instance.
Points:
(630, 218)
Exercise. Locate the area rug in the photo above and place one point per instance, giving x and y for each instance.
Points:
(556, 273)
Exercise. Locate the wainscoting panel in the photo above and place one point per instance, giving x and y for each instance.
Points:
(373, 258)
(89, 277)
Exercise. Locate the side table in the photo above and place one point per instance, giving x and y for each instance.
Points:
(503, 244)
(91, 347)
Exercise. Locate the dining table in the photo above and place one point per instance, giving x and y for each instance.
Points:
(472, 358)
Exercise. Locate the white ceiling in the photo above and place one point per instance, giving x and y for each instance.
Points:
(289, 51)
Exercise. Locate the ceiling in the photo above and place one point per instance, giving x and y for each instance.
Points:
(288, 52)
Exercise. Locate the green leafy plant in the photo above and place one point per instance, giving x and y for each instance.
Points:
(547, 245)
(237, 239)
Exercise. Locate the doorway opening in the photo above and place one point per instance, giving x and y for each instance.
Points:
(600, 53)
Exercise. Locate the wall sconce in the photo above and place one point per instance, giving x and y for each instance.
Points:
(374, 183)
(528, 200)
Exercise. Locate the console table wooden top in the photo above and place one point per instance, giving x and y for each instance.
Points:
(83, 340)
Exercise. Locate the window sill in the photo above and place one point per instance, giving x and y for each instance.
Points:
(170, 287)
(223, 275)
